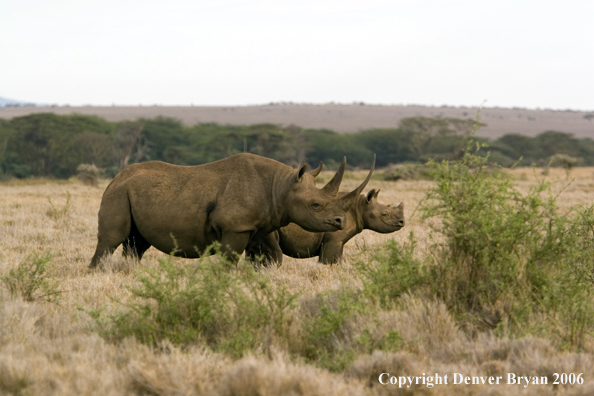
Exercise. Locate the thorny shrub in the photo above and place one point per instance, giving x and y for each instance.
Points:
(500, 259)
(230, 308)
(30, 280)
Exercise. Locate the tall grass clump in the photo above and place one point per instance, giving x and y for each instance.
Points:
(57, 213)
(229, 309)
(30, 280)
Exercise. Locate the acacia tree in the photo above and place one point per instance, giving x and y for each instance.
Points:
(422, 132)
(129, 143)
(565, 161)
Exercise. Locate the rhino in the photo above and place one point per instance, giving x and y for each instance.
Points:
(237, 201)
(365, 214)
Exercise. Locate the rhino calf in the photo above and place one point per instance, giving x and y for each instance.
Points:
(365, 214)
(237, 201)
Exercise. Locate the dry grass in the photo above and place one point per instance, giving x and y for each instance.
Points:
(50, 349)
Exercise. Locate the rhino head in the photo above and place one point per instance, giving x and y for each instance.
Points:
(320, 209)
(381, 218)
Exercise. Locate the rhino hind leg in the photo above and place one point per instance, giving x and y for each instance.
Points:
(135, 245)
(102, 250)
(115, 221)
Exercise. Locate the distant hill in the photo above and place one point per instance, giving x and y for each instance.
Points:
(4, 102)
(342, 118)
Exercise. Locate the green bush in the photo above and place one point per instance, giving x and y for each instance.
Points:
(393, 271)
(508, 260)
(30, 280)
(231, 310)
(500, 259)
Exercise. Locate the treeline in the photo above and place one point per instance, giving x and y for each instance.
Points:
(49, 145)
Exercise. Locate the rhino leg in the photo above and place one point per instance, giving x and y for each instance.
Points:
(115, 221)
(331, 252)
(135, 245)
(233, 244)
(265, 250)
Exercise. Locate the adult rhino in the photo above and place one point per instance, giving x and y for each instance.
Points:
(365, 214)
(237, 201)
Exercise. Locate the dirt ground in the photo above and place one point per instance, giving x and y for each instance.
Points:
(340, 117)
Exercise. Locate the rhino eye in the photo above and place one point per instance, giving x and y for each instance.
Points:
(385, 215)
(315, 206)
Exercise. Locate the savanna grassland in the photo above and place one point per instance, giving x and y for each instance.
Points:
(340, 326)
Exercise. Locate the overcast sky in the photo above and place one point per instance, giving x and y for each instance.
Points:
(524, 53)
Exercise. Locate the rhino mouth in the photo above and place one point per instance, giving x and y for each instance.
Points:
(337, 224)
(395, 225)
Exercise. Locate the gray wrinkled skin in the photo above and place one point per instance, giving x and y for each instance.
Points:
(238, 201)
(365, 214)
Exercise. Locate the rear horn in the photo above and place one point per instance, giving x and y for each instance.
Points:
(316, 172)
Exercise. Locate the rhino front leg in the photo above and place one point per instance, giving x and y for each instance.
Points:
(331, 252)
(265, 250)
(233, 244)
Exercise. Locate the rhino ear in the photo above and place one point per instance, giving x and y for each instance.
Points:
(300, 172)
(401, 206)
(371, 194)
(316, 172)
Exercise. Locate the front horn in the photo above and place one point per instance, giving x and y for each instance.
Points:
(334, 184)
(350, 198)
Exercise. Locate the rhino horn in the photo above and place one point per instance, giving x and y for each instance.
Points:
(350, 198)
(316, 172)
(333, 185)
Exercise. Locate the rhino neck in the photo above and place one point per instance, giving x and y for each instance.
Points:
(281, 185)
